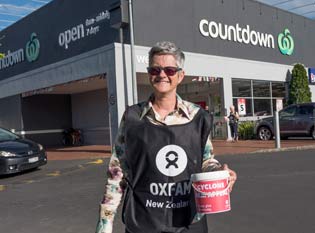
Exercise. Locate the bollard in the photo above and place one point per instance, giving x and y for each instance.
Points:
(277, 130)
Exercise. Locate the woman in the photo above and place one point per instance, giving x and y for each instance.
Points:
(233, 123)
(160, 143)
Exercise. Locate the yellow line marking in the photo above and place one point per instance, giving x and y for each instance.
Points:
(56, 173)
(2, 188)
(29, 181)
(99, 161)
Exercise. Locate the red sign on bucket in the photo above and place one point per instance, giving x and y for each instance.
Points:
(211, 192)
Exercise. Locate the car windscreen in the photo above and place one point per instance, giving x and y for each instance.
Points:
(7, 135)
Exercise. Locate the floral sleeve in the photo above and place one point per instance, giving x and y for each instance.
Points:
(115, 184)
(208, 162)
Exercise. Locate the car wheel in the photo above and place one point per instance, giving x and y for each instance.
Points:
(264, 133)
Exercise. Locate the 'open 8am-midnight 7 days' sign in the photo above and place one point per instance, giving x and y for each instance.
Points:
(311, 76)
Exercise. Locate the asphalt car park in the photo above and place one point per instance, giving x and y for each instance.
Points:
(274, 194)
(18, 154)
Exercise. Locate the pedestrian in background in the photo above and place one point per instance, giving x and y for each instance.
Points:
(233, 123)
(160, 143)
(211, 113)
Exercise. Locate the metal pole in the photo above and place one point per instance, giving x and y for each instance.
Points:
(21, 117)
(133, 69)
(277, 129)
(121, 31)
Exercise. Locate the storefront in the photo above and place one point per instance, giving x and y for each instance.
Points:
(75, 70)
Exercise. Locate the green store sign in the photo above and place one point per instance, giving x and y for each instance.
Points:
(32, 48)
(286, 43)
(31, 53)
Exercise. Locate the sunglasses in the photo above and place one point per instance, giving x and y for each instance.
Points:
(168, 70)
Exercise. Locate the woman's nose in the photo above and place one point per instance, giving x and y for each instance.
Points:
(162, 74)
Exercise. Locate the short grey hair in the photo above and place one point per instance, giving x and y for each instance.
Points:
(166, 47)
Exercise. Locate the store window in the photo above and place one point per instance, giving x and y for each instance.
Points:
(261, 97)
(241, 88)
(278, 89)
(261, 89)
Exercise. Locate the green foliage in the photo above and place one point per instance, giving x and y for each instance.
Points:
(299, 91)
(246, 130)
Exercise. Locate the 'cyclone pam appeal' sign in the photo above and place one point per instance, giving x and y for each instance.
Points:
(241, 105)
(246, 35)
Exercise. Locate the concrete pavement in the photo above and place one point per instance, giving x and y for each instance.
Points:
(221, 147)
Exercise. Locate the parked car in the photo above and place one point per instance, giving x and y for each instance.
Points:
(295, 120)
(18, 154)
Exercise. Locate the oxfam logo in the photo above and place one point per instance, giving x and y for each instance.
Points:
(171, 160)
(32, 48)
(286, 42)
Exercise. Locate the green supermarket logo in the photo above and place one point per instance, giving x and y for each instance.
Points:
(286, 43)
(29, 53)
(32, 48)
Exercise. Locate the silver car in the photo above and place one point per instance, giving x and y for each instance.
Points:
(295, 120)
(18, 154)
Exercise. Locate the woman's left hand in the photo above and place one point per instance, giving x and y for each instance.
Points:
(232, 178)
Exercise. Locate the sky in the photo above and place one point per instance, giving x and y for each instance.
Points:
(305, 8)
(14, 10)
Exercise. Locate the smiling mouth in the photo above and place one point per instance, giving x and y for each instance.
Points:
(161, 81)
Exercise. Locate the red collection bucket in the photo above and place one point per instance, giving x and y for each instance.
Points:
(211, 191)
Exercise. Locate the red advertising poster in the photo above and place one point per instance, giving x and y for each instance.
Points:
(241, 105)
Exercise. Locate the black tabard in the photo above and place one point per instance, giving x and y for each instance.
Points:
(160, 161)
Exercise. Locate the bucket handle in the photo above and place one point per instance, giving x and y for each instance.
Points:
(206, 193)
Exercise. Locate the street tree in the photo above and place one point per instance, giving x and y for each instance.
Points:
(299, 90)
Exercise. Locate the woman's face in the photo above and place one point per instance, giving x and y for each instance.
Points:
(163, 83)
